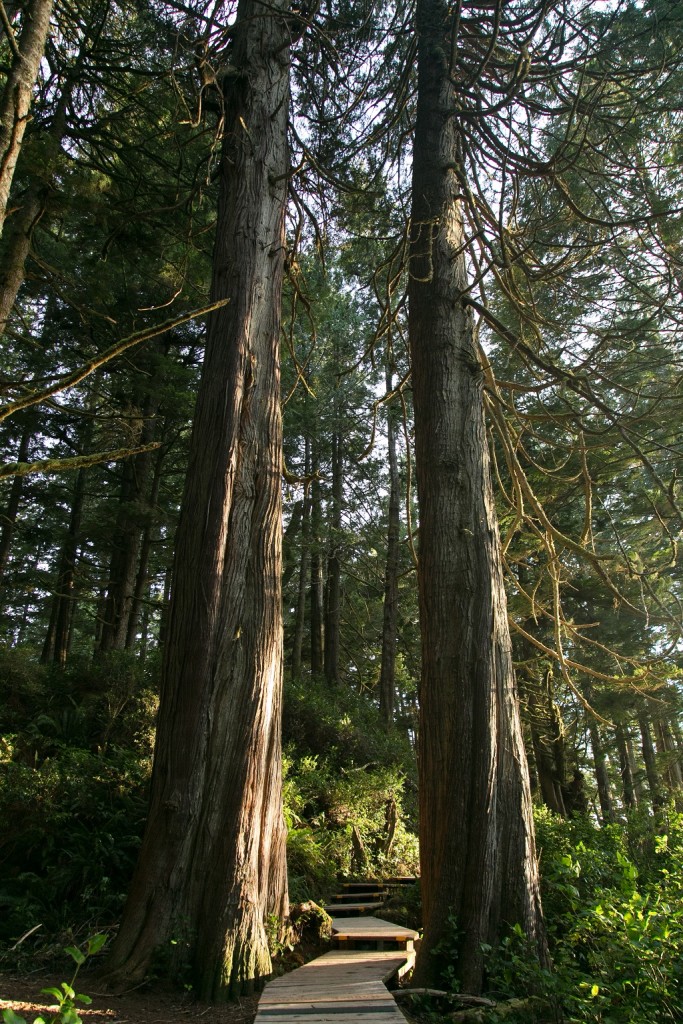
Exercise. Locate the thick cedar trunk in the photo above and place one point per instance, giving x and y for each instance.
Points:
(333, 587)
(478, 855)
(317, 589)
(212, 867)
(387, 675)
(16, 96)
(304, 570)
(601, 773)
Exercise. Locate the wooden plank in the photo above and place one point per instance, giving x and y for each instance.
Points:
(333, 908)
(340, 987)
(366, 927)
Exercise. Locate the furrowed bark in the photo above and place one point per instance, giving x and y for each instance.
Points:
(212, 864)
(476, 828)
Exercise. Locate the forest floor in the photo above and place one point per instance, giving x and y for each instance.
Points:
(148, 1005)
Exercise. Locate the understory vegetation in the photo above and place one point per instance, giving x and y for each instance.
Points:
(75, 763)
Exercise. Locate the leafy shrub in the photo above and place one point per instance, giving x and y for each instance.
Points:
(70, 828)
(615, 923)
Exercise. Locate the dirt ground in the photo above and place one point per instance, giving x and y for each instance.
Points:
(146, 1005)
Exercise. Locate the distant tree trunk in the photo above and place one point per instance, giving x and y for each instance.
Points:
(601, 774)
(212, 865)
(304, 570)
(141, 588)
(670, 756)
(16, 250)
(477, 847)
(387, 675)
(126, 542)
(548, 743)
(636, 774)
(317, 589)
(333, 588)
(650, 759)
(15, 101)
(628, 789)
(64, 592)
(8, 520)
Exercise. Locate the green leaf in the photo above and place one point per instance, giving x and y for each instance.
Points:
(75, 954)
(52, 992)
(83, 999)
(10, 1017)
(95, 943)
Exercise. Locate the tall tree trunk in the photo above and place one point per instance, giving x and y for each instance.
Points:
(8, 520)
(141, 588)
(317, 590)
(650, 759)
(333, 587)
(64, 596)
(212, 863)
(15, 101)
(548, 742)
(601, 774)
(478, 855)
(670, 756)
(127, 538)
(628, 788)
(304, 570)
(16, 249)
(387, 675)
(31, 205)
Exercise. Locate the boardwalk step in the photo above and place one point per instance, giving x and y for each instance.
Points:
(363, 886)
(340, 987)
(360, 896)
(351, 909)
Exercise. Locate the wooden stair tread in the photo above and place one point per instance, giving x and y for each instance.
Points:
(332, 907)
(370, 927)
(340, 987)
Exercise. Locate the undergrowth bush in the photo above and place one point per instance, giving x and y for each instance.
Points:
(342, 772)
(613, 900)
(75, 757)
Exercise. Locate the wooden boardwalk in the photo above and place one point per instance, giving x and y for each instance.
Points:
(344, 985)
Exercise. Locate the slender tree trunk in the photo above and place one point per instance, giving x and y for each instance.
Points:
(212, 863)
(333, 588)
(15, 101)
(141, 588)
(317, 590)
(478, 855)
(601, 773)
(650, 759)
(667, 748)
(127, 539)
(304, 570)
(8, 521)
(387, 675)
(64, 595)
(636, 774)
(628, 788)
(548, 743)
(17, 247)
